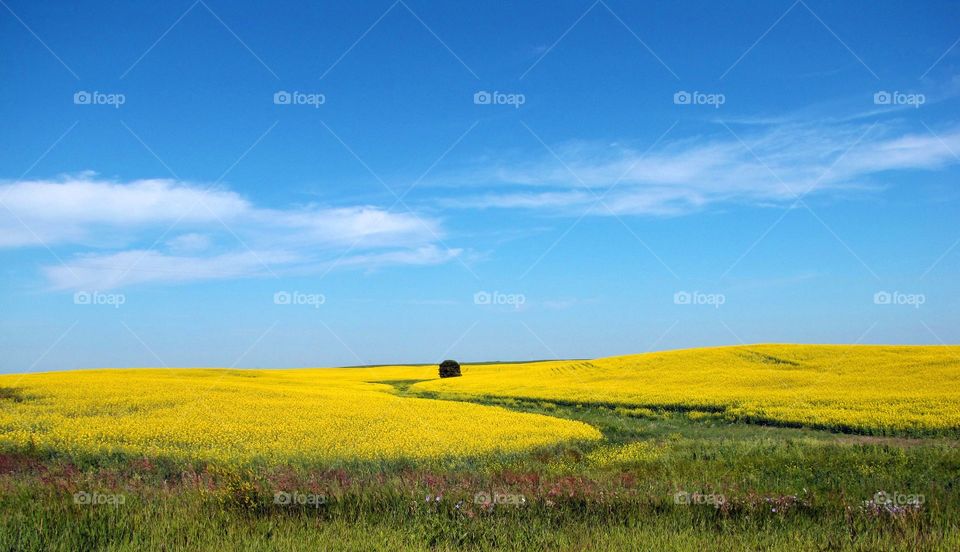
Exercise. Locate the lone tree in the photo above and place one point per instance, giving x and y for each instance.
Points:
(450, 369)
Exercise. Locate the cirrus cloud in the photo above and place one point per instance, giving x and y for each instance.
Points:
(770, 166)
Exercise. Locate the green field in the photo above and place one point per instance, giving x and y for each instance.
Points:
(660, 478)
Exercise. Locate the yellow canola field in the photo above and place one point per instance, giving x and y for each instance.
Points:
(872, 389)
(274, 415)
(318, 415)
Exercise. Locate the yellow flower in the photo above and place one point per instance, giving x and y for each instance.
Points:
(861, 388)
(273, 415)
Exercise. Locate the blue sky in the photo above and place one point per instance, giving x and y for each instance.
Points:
(260, 185)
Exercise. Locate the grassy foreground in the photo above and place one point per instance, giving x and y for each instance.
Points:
(654, 477)
(782, 488)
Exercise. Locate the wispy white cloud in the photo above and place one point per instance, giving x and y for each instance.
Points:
(112, 234)
(734, 166)
(158, 230)
(86, 210)
(93, 271)
(426, 255)
(189, 243)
